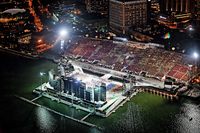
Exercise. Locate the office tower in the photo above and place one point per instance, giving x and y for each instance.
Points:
(125, 14)
(177, 6)
(103, 92)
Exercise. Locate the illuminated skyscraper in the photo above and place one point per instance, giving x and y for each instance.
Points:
(103, 92)
(196, 11)
(177, 6)
(124, 14)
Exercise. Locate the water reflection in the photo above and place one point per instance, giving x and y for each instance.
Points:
(45, 121)
(188, 120)
(130, 121)
(150, 113)
(94, 130)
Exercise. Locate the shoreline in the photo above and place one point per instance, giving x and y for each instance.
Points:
(17, 53)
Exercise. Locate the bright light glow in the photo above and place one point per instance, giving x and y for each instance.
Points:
(78, 79)
(191, 29)
(42, 73)
(124, 39)
(63, 33)
(163, 17)
(43, 118)
(195, 55)
(40, 40)
(62, 44)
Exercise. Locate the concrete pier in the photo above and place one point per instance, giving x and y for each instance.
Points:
(162, 93)
(58, 113)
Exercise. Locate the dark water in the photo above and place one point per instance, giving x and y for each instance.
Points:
(153, 114)
(20, 76)
(143, 113)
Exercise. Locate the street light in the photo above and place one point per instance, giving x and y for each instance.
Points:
(190, 71)
(41, 75)
(196, 56)
(63, 33)
(39, 41)
(191, 29)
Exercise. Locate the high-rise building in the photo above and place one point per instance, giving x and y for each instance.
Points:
(14, 23)
(88, 96)
(177, 6)
(155, 6)
(196, 11)
(76, 88)
(97, 93)
(125, 14)
(149, 10)
(97, 6)
(100, 93)
(103, 92)
(176, 13)
(82, 90)
(66, 85)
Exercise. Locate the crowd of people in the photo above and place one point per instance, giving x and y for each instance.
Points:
(133, 58)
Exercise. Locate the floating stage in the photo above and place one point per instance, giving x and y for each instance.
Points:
(113, 103)
(98, 95)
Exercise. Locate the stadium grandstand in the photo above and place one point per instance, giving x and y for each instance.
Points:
(133, 57)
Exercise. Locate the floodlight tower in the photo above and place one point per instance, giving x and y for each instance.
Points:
(196, 57)
(63, 33)
(41, 76)
(191, 29)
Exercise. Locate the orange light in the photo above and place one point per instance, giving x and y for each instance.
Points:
(40, 40)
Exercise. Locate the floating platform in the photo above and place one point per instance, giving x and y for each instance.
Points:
(104, 111)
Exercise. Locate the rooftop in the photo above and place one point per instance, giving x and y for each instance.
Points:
(14, 11)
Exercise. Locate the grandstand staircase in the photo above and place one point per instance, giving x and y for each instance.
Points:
(119, 102)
